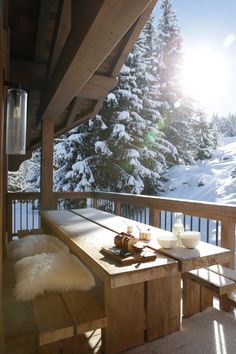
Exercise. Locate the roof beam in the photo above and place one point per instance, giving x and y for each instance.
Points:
(80, 57)
(132, 37)
(61, 32)
(97, 87)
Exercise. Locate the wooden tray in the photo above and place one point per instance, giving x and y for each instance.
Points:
(124, 257)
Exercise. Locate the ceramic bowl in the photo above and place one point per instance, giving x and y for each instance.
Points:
(167, 242)
(190, 239)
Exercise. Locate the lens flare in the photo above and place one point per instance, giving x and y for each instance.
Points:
(229, 40)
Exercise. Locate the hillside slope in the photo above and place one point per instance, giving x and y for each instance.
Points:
(212, 180)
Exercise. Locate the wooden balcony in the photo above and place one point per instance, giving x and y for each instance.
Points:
(215, 222)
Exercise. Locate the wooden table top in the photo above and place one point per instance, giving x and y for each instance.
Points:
(118, 223)
(205, 254)
(85, 238)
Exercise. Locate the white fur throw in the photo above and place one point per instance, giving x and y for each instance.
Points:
(50, 272)
(35, 244)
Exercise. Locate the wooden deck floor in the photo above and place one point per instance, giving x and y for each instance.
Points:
(19, 324)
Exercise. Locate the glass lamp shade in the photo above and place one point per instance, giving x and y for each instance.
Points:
(16, 121)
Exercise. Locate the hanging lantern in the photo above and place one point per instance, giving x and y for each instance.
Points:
(16, 121)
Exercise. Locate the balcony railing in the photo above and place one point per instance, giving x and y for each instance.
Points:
(216, 222)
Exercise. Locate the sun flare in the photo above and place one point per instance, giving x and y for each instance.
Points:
(205, 76)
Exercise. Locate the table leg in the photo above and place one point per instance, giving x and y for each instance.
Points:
(125, 313)
(163, 306)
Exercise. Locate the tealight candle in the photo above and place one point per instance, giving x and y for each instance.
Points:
(129, 229)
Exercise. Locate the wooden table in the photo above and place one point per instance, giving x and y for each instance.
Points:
(142, 301)
(195, 298)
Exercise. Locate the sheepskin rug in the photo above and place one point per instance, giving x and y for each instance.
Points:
(35, 244)
(50, 272)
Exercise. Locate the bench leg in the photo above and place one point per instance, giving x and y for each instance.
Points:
(206, 299)
(224, 303)
(163, 306)
(191, 297)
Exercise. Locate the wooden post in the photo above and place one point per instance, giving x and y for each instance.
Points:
(117, 207)
(154, 217)
(3, 70)
(9, 218)
(94, 202)
(47, 199)
(228, 239)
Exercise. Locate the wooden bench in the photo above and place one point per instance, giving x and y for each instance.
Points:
(199, 287)
(60, 320)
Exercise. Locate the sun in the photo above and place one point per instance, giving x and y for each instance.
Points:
(205, 76)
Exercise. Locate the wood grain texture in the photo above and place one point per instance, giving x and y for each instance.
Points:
(215, 211)
(86, 239)
(206, 298)
(84, 55)
(52, 319)
(218, 284)
(85, 311)
(97, 87)
(191, 297)
(163, 307)
(203, 255)
(47, 165)
(228, 239)
(124, 308)
(125, 292)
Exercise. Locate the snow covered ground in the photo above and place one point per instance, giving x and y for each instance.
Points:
(212, 180)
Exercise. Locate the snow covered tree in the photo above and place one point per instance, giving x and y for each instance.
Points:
(180, 113)
(205, 138)
(126, 150)
(169, 58)
(27, 178)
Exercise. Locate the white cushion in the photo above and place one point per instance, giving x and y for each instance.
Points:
(35, 244)
(50, 272)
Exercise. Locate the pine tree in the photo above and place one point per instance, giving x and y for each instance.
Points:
(127, 151)
(180, 113)
(169, 58)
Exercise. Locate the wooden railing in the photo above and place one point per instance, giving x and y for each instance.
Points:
(215, 221)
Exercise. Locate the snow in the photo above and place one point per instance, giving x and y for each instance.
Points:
(210, 180)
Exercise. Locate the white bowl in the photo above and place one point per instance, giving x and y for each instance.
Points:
(167, 242)
(190, 239)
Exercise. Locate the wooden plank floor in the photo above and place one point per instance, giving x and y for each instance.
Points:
(19, 324)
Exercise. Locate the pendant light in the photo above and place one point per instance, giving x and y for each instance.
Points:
(16, 121)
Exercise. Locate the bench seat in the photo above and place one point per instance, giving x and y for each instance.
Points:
(59, 319)
(199, 287)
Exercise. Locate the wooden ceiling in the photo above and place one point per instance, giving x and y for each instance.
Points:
(67, 55)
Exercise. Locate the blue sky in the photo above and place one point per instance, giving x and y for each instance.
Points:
(206, 24)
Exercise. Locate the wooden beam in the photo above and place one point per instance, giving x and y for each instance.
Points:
(61, 32)
(45, 10)
(46, 186)
(3, 161)
(97, 87)
(72, 112)
(29, 74)
(132, 37)
(81, 57)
